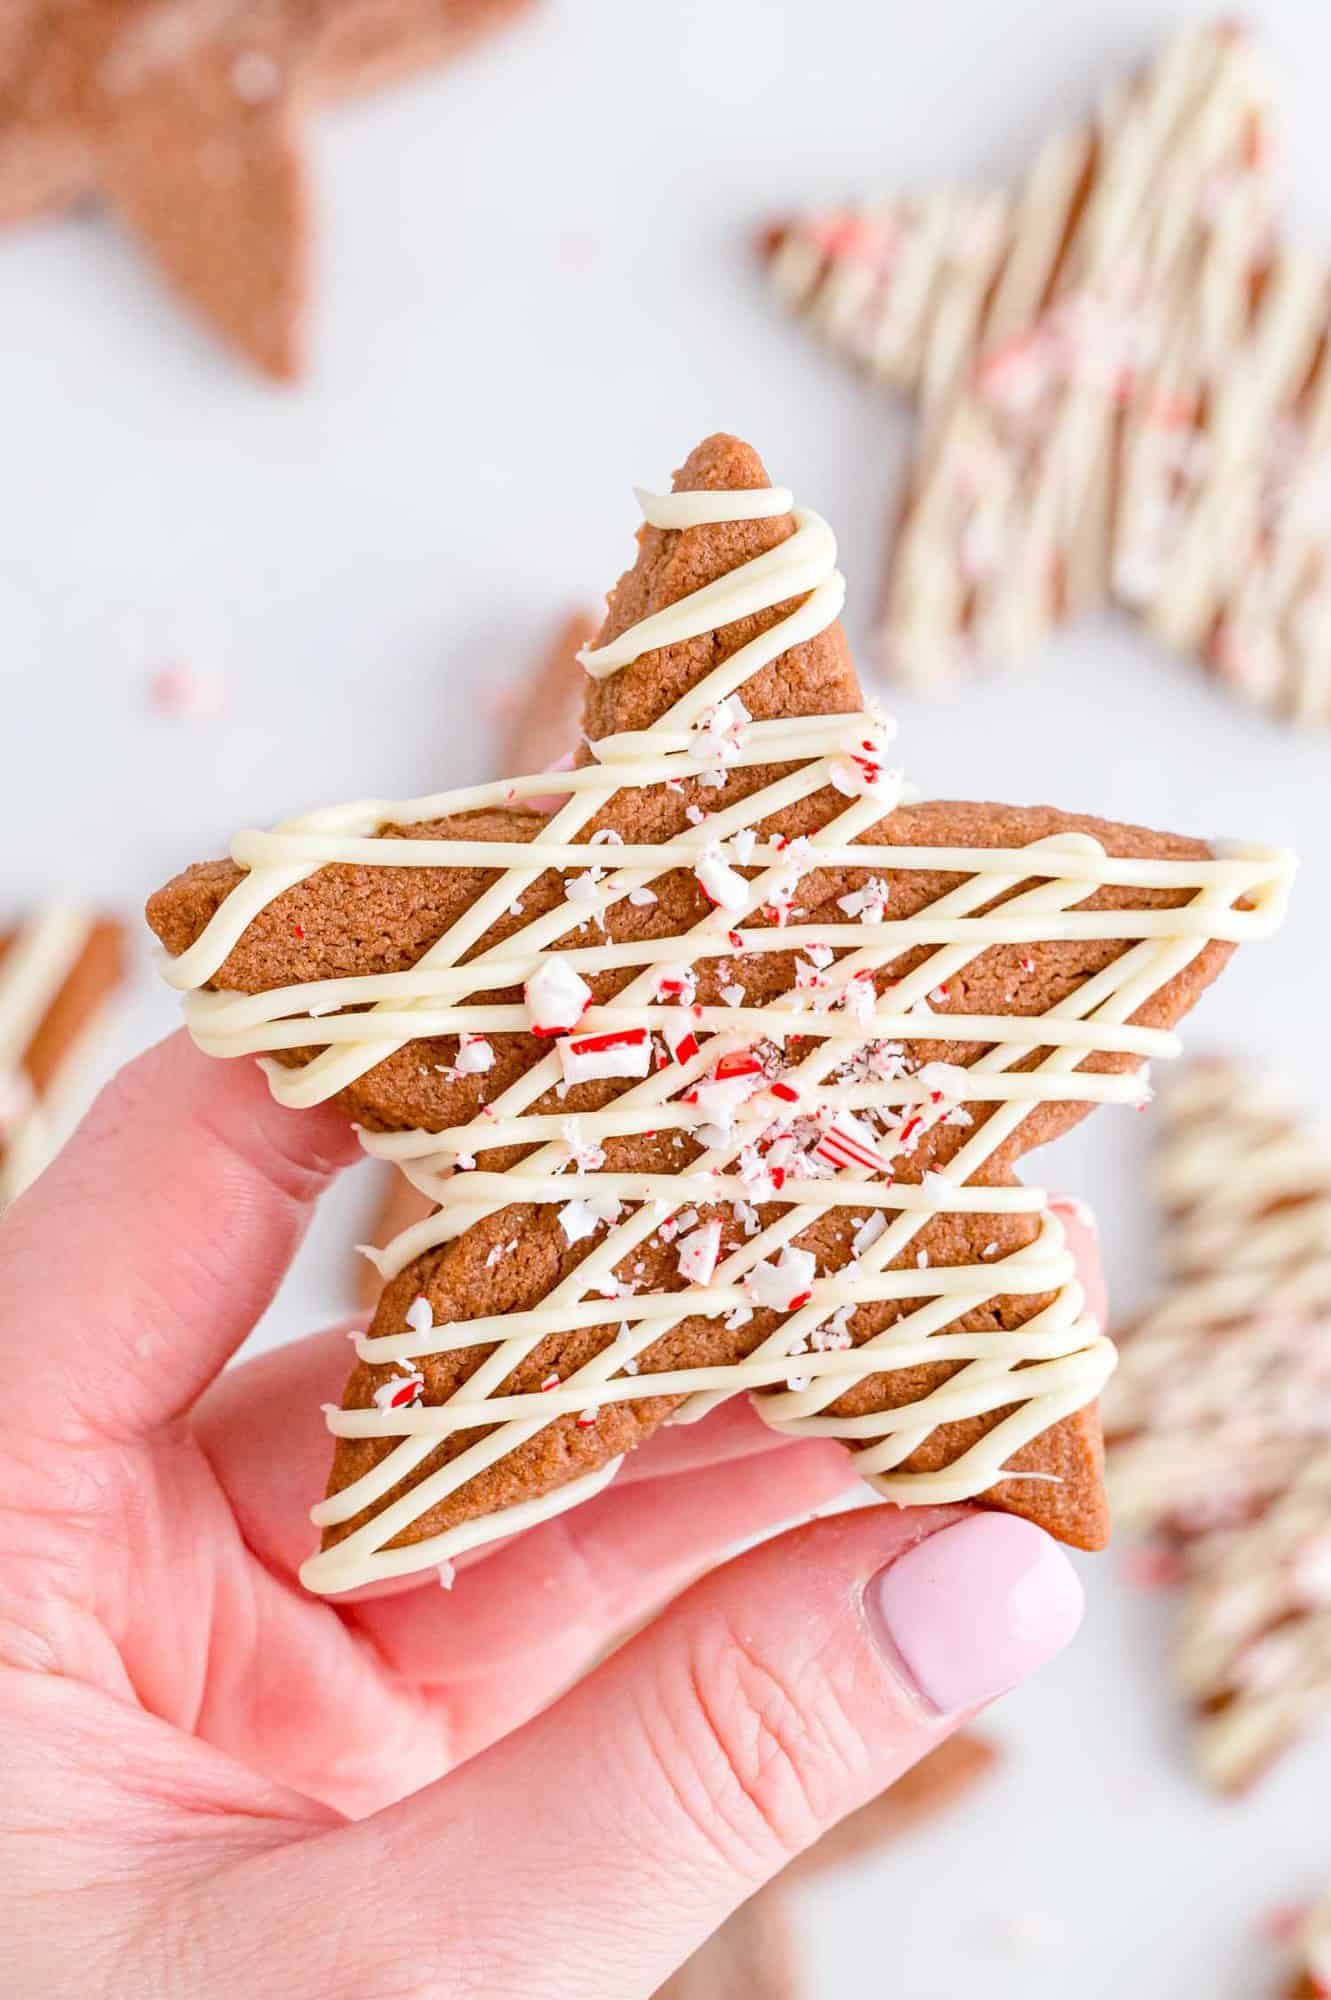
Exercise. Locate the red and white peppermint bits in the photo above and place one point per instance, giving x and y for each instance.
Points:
(782, 1284)
(848, 1143)
(679, 985)
(400, 1392)
(418, 1315)
(861, 773)
(719, 882)
(475, 1055)
(868, 904)
(620, 1052)
(698, 1253)
(733, 1081)
(720, 729)
(556, 998)
(682, 1043)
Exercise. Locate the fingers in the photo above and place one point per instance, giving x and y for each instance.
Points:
(262, 1427)
(155, 1241)
(525, 1617)
(1079, 1226)
(518, 1628)
(591, 1851)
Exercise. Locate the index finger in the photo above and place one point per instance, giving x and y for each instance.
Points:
(154, 1242)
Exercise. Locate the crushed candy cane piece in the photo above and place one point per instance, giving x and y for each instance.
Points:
(718, 881)
(619, 1052)
(556, 997)
(782, 1284)
(698, 1253)
(475, 1055)
(400, 1392)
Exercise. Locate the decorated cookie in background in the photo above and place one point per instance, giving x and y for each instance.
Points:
(1312, 1946)
(768, 1036)
(58, 971)
(1123, 386)
(540, 724)
(1219, 1419)
(188, 119)
(756, 1953)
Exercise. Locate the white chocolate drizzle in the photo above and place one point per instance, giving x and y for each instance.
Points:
(710, 1082)
(1233, 1361)
(1123, 382)
(33, 970)
(1219, 1420)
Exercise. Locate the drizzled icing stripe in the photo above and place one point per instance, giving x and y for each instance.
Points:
(1124, 387)
(1233, 1363)
(33, 970)
(1049, 1367)
(1219, 1420)
(1254, 1645)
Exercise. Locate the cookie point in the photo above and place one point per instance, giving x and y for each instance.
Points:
(721, 463)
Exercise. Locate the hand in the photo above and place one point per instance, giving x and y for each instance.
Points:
(216, 1785)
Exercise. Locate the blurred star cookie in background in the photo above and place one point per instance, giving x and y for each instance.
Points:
(1121, 367)
(59, 969)
(187, 118)
(1219, 1417)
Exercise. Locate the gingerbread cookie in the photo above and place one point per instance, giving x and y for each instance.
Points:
(756, 1953)
(187, 118)
(1219, 1421)
(541, 724)
(1311, 1979)
(719, 1074)
(1124, 390)
(57, 972)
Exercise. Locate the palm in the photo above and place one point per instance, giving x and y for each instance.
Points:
(157, 1543)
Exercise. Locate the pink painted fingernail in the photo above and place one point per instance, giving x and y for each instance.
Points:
(966, 1614)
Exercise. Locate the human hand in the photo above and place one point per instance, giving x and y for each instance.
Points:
(216, 1785)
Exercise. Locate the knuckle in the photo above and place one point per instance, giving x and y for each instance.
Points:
(759, 1753)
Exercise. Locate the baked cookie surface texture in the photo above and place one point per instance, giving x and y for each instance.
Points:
(719, 1073)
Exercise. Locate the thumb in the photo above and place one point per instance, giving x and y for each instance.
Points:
(591, 1851)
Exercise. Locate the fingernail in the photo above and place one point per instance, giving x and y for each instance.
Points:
(972, 1610)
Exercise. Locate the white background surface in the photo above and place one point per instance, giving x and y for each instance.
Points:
(536, 287)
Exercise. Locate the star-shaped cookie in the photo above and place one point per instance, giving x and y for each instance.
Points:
(719, 1073)
(58, 970)
(539, 727)
(1219, 1419)
(1312, 1951)
(187, 118)
(1121, 371)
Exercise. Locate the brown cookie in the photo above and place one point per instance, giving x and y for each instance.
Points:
(348, 920)
(1311, 1979)
(58, 970)
(187, 118)
(398, 1205)
(541, 724)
